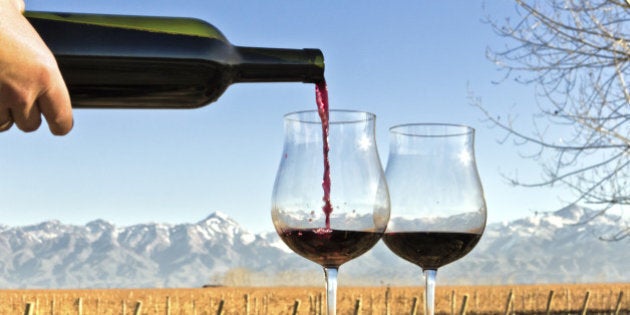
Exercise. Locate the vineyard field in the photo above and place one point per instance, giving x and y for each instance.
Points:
(514, 299)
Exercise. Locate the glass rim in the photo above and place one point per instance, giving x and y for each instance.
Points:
(352, 116)
(449, 130)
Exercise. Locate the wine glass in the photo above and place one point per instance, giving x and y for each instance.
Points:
(438, 211)
(330, 221)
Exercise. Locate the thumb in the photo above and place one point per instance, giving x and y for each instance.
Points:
(55, 105)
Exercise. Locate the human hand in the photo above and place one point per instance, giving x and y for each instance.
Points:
(30, 82)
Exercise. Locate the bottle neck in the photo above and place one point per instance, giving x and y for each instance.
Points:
(279, 65)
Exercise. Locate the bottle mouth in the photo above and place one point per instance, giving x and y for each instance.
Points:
(258, 64)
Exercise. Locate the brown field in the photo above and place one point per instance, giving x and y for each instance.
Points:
(526, 299)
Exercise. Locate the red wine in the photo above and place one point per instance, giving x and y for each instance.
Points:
(329, 248)
(431, 250)
(117, 61)
(321, 97)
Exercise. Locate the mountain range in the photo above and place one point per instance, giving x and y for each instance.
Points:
(555, 247)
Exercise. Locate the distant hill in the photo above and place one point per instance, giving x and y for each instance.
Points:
(546, 248)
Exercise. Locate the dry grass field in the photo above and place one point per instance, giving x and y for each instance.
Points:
(530, 299)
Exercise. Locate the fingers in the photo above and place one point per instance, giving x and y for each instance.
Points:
(26, 112)
(27, 121)
(27, 118)
(17, 107)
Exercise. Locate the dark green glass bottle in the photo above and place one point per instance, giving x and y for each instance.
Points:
(115, 61)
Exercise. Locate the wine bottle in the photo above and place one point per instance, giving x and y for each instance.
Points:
(117, 61)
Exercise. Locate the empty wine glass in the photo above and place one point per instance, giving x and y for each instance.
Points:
(330, 228)
(438, 211)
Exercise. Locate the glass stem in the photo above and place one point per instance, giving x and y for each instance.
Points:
(429, 291)
(331, 289)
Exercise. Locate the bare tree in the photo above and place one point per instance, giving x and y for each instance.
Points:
(576, 54)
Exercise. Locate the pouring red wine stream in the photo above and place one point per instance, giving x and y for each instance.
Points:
(321, 97)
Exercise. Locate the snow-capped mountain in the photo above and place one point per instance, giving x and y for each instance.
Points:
(557, 247)
(100, 254)
(563, 246)
(551, 247)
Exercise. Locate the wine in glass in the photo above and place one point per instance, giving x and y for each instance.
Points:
(438, 211)
(333, 220)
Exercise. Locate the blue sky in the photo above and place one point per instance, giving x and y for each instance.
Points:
(405, 61)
